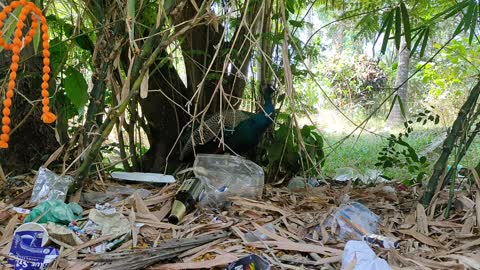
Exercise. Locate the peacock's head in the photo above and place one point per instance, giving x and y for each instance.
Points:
(268, 91)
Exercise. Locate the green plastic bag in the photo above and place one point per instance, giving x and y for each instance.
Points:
(58, 212)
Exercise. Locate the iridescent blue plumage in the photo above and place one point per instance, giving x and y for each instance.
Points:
(242, 130)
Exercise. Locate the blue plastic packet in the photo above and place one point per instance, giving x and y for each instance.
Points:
(28, 246)
(251, 262)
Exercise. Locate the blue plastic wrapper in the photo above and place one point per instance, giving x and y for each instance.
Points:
(27, 246)
(251, 262)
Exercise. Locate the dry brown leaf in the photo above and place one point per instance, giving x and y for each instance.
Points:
(477, 207)
(421, 237)
(53, 156)
(422, 221)
(144, 85)
(463, 247)
(297, 247)
(261, 205)
(219, 260)
(468, 225)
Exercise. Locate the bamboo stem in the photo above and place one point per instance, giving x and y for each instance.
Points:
(457, 129)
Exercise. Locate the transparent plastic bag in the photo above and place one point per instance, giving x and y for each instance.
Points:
(226, 176)
(358, 214)
(257, 235)
(50, 186)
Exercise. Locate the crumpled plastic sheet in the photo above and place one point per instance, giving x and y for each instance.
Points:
(49, 186)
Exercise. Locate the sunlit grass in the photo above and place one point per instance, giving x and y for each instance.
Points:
(360, 151)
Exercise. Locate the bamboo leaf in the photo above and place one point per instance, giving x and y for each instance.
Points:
(384, 25)
(402, 109)
(406, 25)
(398, 27)
(469, 15)
(419, 38)
(452, 11)
(387, 32)
(36, 39)
(473, 24)
(459, 27)
(392, 105)
(424, 44)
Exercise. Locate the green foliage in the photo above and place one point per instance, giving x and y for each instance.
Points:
(286, 152)
(355, 80)
(76, 88)
(445, 81)
(400, 154)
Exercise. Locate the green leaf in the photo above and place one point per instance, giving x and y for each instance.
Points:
(419, 38)
(459, 27)
(424, 44)
(390, 111)
(473, 23)
(469, 15)
(58, 54)
(274, 152)
(453, 10)
(406, 25)
(398, 27)
(36, 39)
(10, 22)
(388, 28)
(76, 88)
(290, 6)
(423, 160)
(384, 25)
(402, 109)
(296, 23)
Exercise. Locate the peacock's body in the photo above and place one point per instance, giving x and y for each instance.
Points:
(242, 131)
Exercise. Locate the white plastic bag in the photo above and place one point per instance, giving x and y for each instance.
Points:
(365, 258)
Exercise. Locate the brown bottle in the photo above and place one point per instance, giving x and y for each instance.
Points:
(186, 199)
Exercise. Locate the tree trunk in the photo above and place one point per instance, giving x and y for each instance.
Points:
(401, 82)
(31, 141)
(164, 109)
(165, 119)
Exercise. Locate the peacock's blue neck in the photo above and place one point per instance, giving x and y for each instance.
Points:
(268, 107)
(265, 117)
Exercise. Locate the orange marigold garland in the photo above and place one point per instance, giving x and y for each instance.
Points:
(16, 47)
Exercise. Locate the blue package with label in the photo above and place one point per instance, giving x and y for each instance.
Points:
(27, 246)
(251, 262)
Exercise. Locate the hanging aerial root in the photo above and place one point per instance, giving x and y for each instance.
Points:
(16, 46)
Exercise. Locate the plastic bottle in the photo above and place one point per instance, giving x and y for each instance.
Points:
(187, 197)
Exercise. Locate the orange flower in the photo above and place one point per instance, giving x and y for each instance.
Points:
(16, 46)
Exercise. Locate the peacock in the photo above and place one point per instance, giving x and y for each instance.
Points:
(242, 130)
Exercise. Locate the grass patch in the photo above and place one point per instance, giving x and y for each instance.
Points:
(361, 151)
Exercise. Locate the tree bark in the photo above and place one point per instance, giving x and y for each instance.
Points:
(401, 82)
(31, 141)
(165, 119)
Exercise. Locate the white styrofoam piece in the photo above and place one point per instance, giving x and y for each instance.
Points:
(144, 177)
